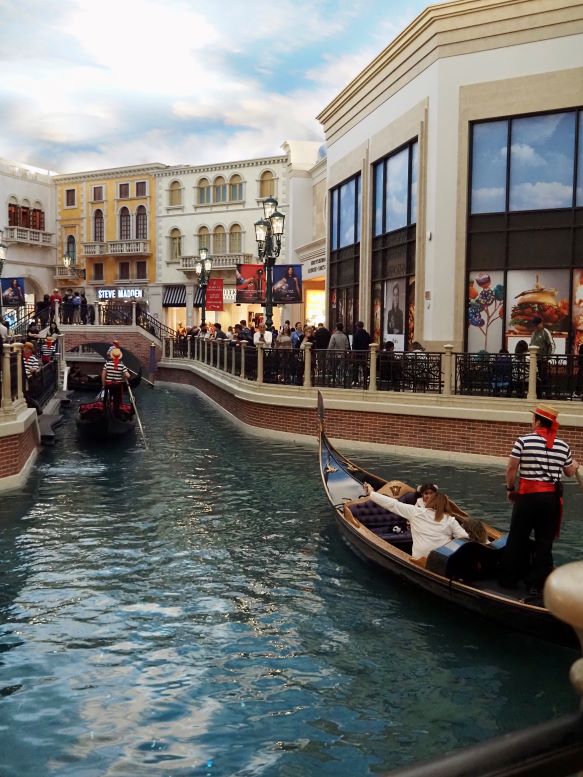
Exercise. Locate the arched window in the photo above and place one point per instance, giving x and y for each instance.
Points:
(72, 249)
(267, 184)
(235, 188)
(235, 239)
(204, 238)
(175, 193)
(98, 231)
(13, 212)
(25, 214)
(204, 192)
(175, 244)
(220, 188)
(141, 223)
(37, 216)
(124, 224)
(219, 240)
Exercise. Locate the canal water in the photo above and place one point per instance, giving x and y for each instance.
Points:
(190, 610)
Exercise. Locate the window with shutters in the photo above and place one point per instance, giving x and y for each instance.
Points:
(204, 192)
(235, 239)
(124, 224)
(175, 194)
(141, 223)
(141, 189)
(98, 228)
(219, 240)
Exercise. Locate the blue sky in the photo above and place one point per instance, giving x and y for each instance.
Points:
(86, 84)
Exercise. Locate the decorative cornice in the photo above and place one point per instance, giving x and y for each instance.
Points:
(198, 169)
(110, 172)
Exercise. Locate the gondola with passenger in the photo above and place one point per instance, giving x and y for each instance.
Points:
(462, 572)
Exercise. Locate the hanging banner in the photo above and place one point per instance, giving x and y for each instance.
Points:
(250, 285)
(13, 291)
(287, 283)
(214, 294)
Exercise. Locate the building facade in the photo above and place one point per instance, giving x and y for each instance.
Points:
(455, 171)
(106, 241)
(28, 232)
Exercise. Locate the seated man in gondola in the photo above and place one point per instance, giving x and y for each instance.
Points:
(114, 376)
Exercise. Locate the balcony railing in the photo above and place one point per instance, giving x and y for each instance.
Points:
(29, 236)
(69, 272)
(117, 248)
(220, 261)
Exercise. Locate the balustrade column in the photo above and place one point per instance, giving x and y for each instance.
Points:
(260, 353)
(133, 313)
(447, 370)
(6, 378)
(225, 355)
(372, 375)
(19, 381)
(308, 365)
(171, 347)
(242, 347)
(234, 360)
(532, 373)
(188, 344)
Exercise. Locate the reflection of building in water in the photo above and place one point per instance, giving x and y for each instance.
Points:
(438, 174)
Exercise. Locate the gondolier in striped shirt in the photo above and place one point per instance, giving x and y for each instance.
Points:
(48, 350)
(114, 375)
(539, 459)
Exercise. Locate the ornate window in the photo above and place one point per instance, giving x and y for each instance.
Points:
(70, 198)
(175, 194)
(124, 191)
(204, 192)
(124, 224)
(141, 223)
(175, 244)
(266, 184)
(98, 194)
(220, 189)
(235, 188)
(13, 212)
(37, 217)
(204, 238)
(219, 240)
(235, 239)
(25, 214)
(345, 252)
(98, 230)
(141, 189)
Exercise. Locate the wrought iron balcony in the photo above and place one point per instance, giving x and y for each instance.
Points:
(29, 236)
(220, 261)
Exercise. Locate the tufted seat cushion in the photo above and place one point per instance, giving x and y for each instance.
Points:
(382, 522)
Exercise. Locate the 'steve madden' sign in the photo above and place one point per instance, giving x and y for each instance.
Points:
(119, 293)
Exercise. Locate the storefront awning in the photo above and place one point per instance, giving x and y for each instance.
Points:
(198, 297)
(174, 297)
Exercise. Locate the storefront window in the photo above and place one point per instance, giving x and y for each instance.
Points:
(542, 162)
(580, 163)
(489, 151)
(397, 190)
(347, 214)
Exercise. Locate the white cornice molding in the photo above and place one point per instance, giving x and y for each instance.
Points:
(110, 172)
(199, 169)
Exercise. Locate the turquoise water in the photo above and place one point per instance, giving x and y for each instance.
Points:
(190, 610)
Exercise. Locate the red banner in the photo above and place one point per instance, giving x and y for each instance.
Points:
(214, 294)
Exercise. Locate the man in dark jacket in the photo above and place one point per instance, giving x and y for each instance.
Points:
(360, 345)
(321, 338)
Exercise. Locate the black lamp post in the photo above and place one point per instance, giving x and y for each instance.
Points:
(268, 233)
(203, 269)
(2, 260)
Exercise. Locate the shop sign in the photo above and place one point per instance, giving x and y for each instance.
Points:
(315, 266)
(214, 294)
(109, 294)
(229, 295)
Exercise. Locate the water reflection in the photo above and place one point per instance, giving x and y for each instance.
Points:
(191, 609)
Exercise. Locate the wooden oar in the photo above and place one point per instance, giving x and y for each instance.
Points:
(149, 382)
(133, 401)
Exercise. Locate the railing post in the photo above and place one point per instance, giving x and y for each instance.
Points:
(6, 379)
(447, 370)
(260, 354)
(233, 360)
(171, 339)
(308, 365)
(225, 354)
(532, 373)
(372, 375)
(188, 343)
(19, 382)
(133, 313)
(242, 347)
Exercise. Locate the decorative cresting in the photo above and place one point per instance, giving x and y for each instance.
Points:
(564, 598)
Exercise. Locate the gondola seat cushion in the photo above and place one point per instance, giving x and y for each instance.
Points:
(465, 560)
(381, 521)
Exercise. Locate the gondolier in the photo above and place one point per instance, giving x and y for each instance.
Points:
(540, 459)
(114, 375)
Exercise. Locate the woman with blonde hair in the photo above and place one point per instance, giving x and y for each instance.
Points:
(432, 523)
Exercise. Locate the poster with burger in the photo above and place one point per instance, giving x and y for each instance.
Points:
(542, 294)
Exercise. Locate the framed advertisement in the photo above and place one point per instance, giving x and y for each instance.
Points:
(250, 284)
(214, 294)
(287, 283)
(394, 312)
(485, 306)
(13, 292)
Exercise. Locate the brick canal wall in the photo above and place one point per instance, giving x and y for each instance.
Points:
(436, 431)
(135, 340)
(17, 448)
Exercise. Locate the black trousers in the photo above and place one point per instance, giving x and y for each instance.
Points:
(538, 513)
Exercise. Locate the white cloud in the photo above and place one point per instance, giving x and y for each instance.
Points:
(540, 195)
(526, 155)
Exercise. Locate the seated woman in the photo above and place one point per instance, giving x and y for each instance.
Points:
(431, 524)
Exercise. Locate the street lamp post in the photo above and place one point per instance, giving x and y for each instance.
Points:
(2, 260)
(203, 269)
(67, 261)
(268, 234)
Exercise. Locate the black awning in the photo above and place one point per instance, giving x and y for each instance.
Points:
(198, 297)
(174, 297)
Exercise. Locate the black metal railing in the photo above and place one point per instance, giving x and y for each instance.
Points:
(282, 365)
(154, 327)
(24, 314)
(416, 371)
(492, 375)
(41, 386)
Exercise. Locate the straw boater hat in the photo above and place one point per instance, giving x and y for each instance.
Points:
(116, 353)
(28, 347)
(546, 411)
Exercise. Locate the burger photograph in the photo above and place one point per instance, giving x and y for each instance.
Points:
(541, 294)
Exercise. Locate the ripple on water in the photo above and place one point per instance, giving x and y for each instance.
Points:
(191, 610)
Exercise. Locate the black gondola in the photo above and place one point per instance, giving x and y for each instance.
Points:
(78, 381)
(81, 378)
(462, 572)
(105, 417)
